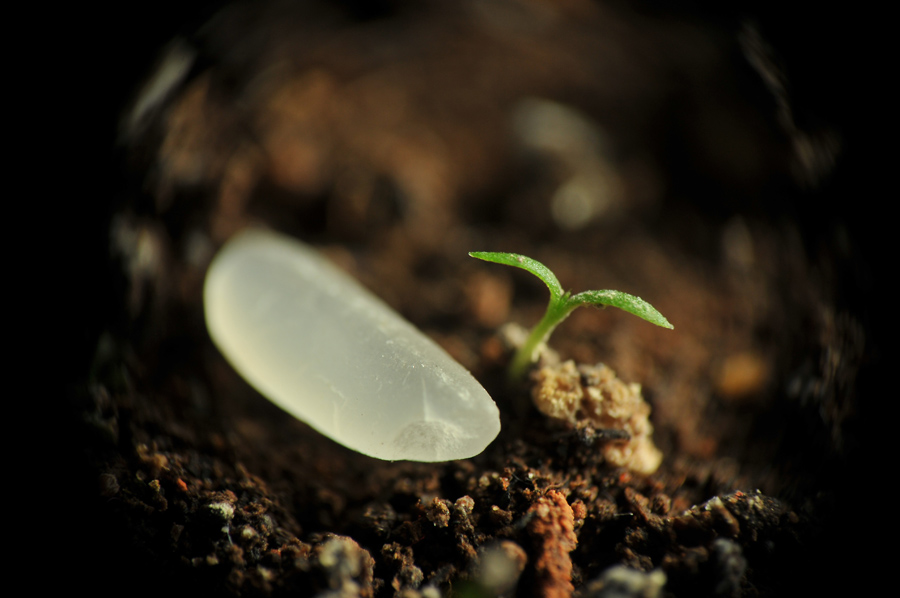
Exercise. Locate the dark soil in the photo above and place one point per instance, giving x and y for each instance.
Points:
(398, 136)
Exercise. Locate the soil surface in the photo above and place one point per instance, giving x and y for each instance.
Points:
(654, 150)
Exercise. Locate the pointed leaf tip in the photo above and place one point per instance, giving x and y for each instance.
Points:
(526, 263)
(626, 302)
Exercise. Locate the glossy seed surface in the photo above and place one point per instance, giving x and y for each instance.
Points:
(315, 342)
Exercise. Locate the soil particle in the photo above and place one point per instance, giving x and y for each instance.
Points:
(730, 567)
(438, 512)
(349, 569)
(593, 395)
(400, 560)
(552, 528)
(498, 568)
(737, 515)
(622, 582)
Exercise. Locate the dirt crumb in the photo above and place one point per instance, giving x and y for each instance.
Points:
(499, 566)
(621, 581)
(553, 526)
(348, 568)
(593, 394)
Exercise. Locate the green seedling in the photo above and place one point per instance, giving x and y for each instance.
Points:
(562, 303)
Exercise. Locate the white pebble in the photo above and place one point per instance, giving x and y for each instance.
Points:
(320, 346)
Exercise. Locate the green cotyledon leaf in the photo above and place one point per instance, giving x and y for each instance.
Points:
(562, 304)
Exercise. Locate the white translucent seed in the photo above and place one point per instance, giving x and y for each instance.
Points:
(320, 346)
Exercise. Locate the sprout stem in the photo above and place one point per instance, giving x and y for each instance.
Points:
(557, 311)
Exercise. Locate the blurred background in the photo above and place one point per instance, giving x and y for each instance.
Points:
(708, 158)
